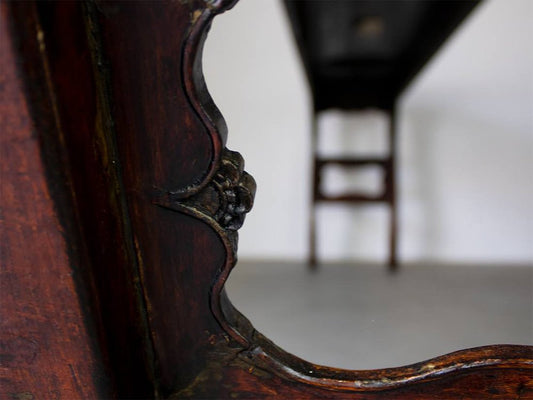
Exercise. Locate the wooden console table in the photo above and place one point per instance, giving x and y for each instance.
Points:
(120, 210)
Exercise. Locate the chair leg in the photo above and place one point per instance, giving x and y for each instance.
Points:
(312, 261)
(312, 240)
(393, 225)
(393, 260)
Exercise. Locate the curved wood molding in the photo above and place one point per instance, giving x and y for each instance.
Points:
(259, 353)
(196, 89)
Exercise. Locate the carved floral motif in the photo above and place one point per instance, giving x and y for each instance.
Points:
(229, 195)
(235, 189)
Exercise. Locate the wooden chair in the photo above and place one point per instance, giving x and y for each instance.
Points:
(120, 207)
(361, 55)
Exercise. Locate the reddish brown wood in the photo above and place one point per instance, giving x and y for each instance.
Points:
(79, 84)
(156, 201)
(47, 346)
(69, 111)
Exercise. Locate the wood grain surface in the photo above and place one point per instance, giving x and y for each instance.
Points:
(47, 347)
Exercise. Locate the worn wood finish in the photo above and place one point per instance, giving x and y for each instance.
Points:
(157, 201)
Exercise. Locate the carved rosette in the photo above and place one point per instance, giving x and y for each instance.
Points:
(229, 195)
(235, 190)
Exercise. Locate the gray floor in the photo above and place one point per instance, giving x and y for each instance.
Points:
(361, 317)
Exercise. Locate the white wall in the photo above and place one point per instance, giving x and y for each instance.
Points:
(466, 141)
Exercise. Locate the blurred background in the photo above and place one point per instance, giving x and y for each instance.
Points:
(465, 192)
